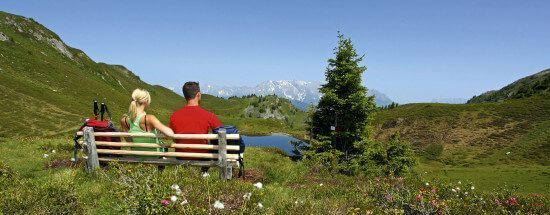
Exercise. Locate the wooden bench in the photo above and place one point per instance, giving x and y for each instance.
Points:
(94, 155)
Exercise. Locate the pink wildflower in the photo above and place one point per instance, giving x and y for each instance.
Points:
(165, 202)
(433, 190)
(418, 197)
(497, 202)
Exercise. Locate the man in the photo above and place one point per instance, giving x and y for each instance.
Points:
(192, 119)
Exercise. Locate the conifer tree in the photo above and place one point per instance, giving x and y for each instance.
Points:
(344, 110)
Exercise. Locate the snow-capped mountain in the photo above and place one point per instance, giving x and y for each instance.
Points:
(301, 93)
(450, 100)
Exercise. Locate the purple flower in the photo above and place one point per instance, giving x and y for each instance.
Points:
(165, 202)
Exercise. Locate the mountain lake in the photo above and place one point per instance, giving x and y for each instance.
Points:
(280, 141)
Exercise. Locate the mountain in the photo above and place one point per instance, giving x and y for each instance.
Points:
(300, 93)
(48, 88)
(450, 100)
(538, 83)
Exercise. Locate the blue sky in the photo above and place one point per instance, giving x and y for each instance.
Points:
(415, 51)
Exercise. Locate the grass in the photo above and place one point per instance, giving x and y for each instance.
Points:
(46, 185)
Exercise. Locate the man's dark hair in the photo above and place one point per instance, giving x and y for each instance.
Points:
(190, 90)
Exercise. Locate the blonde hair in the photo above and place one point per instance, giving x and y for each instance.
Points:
(139, 97)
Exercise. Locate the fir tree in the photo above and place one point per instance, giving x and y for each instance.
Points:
(344, 110)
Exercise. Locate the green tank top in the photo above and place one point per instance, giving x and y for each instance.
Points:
(135, 128)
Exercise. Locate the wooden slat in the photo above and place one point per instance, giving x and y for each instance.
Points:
(174, 145)
(165, 154)
(163, 161)
(176, 136)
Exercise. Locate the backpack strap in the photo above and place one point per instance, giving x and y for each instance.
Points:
(145, 118)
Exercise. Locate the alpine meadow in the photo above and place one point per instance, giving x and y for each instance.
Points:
(490, 155)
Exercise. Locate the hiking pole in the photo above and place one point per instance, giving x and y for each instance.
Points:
(95, 108)
(102, 111)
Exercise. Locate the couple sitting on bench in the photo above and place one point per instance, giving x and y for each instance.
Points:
(190, 119)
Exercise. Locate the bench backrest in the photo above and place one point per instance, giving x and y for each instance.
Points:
(93, 148)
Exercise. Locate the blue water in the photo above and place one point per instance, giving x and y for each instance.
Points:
(277, 140)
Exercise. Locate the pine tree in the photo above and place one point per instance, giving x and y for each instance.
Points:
(344, 110)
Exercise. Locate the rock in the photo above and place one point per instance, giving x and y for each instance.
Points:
(3, 37)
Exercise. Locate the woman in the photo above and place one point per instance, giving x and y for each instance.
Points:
(138, 121)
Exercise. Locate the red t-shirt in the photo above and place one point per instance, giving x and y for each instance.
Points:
(193, 120)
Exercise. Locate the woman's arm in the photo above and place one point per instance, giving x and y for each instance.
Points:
(159, 126)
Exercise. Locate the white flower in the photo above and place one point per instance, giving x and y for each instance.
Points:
(73, 160)
(178, 192)
(507, 153)
(457, 188)
(175, 187)
(296, 202)
(218, 205)
(453, 190)
(247, 195)
(174, 198)
(427, 184)
(260, 205)
(46, 155)
(466, 193)
(53, 151)
(184, 202)
(321, 184)
(205, 175)
(459, 182)
(473, 188)
(258, 185)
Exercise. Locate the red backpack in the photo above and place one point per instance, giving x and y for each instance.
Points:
(100, 125)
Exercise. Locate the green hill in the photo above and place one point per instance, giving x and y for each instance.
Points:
(531, 85)
(512, 132)
(47, 87)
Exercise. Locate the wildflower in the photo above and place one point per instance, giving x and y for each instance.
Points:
(247, 196)
(296, 202)
(433, 190)
(260, 205)
(218, 205)
(459, 182)
(178, 192)
(427, 184)
(53, 151)
(184, 202)
(457, 188)
(321, 184)
(175, 187)
(418, 197)
(73, 160)
(497, 202)
(174, 198)
(473, 188)
(46, 155)
(377, 178)
(507, 153)
(466, 193)
(164, 202)
(205, 175)
(258, 185)
(453, 190)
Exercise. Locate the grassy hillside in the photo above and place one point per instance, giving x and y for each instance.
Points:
(538, 83)
(474, 134)
(48, 87)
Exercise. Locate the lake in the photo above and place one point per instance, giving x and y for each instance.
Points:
(280, 141)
